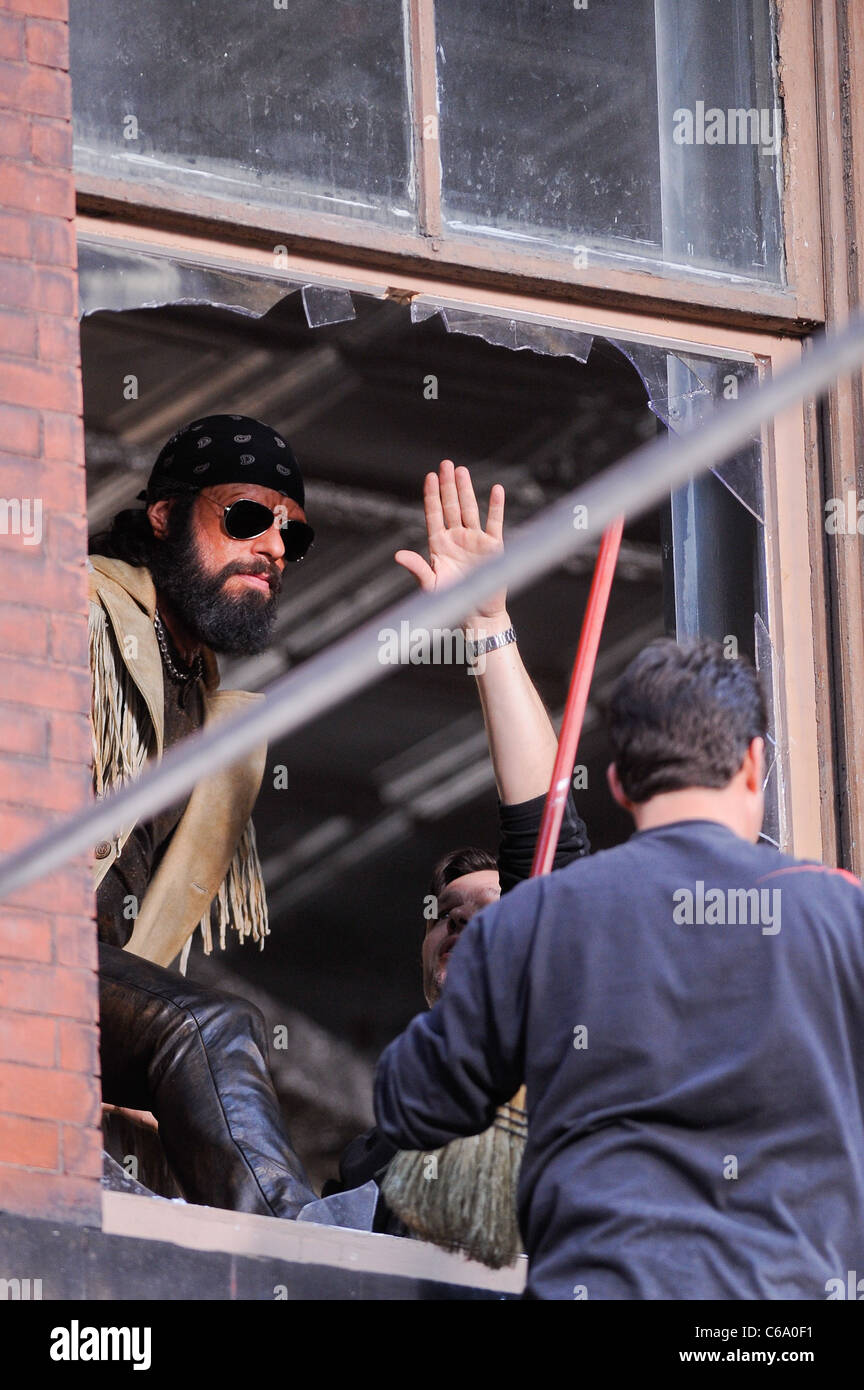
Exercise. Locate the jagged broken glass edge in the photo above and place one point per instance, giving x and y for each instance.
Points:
(317, 297)
(768, 661)
(103, 286)
(707, 370)
(511, 333)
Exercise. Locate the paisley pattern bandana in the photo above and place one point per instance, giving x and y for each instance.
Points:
(224, 449)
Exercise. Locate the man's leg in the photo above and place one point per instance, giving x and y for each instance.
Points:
(198, 1059)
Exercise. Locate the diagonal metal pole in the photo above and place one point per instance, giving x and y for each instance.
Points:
(632, 486)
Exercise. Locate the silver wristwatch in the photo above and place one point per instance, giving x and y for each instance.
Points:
(490, 644)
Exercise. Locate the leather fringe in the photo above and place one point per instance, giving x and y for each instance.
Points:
(121, 747)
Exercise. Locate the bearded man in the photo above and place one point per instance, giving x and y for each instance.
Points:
(197, 571)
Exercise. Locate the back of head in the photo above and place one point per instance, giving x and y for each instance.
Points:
(683, 715)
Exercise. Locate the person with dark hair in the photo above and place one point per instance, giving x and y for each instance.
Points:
(197, 571)
(522, 746)
(687, 1015)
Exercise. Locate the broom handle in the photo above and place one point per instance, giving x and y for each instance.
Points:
(577, 699)
(574, 711)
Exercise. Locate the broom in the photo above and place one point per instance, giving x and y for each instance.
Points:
(463, 1196)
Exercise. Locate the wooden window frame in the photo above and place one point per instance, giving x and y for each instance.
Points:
(713, 297)
(794, 603)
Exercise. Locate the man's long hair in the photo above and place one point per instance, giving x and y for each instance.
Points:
(130, 536)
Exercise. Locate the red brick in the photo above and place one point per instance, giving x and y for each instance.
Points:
(72, 1199)
(57, 991)
(17, 284)
(58, 338)
(31, 1143)
(25, 782)
(18, 826)
(82, 1151)
(19, 429)
(64, 437)
(16, 137)
(25, 938)
(61, 484)
(23, 631)
(11, 37)
(52, 241)
(44, 1093)
(70, 737)
(56, 291)
(15, 231)
(29, 1038)
(17, 333)
(48, 43)
(41, 91)
(22, 730)
(79, 1047)
(71, 887)
(27, 576)
(46, 9)
(67, 541)
(51, 388)
(69, 640)
(48, 191)
(51, 143)
(76, 943)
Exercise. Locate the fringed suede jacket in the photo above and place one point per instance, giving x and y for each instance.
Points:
(209, 874)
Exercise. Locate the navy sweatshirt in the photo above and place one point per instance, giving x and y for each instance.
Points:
(369, 1155)
(687, 1013)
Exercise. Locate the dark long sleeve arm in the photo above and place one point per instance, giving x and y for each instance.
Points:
(519, 828)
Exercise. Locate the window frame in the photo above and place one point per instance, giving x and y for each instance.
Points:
(720, 297)
(795, 594)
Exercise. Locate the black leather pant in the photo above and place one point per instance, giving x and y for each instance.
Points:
(197, 1058)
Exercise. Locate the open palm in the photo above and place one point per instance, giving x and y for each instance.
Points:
(456, 538)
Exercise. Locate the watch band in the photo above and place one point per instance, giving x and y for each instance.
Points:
(490, 644)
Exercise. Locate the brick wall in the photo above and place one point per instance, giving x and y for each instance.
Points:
(49, 1089)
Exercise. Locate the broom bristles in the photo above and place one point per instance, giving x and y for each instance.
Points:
(463, 1196)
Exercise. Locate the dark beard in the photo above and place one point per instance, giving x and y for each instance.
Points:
(235, 626)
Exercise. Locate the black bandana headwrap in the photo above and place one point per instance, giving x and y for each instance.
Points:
(224, 449)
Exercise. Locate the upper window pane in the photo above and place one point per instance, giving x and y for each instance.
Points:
(305, 106)
(639, 128)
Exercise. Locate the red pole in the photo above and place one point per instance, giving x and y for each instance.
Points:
(577, 698)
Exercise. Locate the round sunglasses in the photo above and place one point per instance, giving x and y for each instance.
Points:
(244, 520)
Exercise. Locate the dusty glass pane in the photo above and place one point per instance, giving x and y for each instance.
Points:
(639, 129)
(548, 123)
(303, 106)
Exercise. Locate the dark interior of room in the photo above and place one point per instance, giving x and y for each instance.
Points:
(380, 787)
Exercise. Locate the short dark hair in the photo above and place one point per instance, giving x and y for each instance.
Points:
(683, 715)
(458, 862)
(130, 536)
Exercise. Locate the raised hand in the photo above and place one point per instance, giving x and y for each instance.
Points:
(457, 541)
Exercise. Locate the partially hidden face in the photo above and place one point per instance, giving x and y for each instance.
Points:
(456, 906)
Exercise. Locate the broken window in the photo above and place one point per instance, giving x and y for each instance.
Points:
(371, 395)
